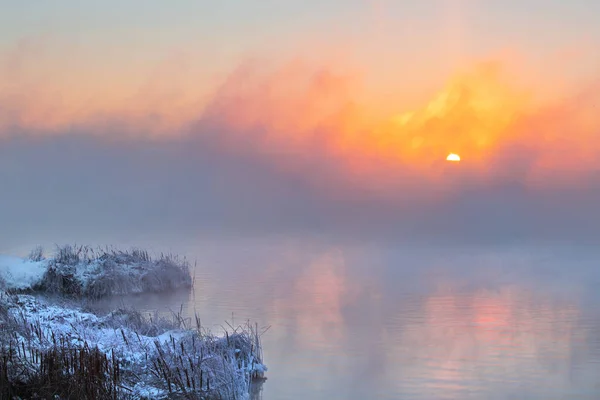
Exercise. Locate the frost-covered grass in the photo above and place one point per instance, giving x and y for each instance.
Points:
(36, 254)
(83, 271)
(51, 350)
(55, 348)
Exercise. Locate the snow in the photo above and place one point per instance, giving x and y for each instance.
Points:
(87, 272)
(229, 374)
(31, 320)
(19, 274)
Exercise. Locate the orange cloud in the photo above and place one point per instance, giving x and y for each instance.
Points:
(312, 121)
(494, 126)
(46, 89)
(469, 117)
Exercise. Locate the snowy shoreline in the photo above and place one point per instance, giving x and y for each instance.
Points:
(122, 354)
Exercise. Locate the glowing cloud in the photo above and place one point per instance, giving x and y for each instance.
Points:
(317, 123)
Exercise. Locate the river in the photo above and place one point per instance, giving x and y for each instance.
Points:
(362, 320)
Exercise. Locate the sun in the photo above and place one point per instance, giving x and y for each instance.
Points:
(452, 157)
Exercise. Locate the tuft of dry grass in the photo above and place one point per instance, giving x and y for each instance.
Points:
(48, 350)
(82, 271)
(121, 355)
(201, 364)
(63, 370)
(36, 254)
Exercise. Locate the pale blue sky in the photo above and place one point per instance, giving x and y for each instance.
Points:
(394, 43)
(245, 25)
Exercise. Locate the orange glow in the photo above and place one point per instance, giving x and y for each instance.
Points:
(480, 113)
(472, 114)
(474, 327)
(315, 113)
(318, 298)
(323, 117)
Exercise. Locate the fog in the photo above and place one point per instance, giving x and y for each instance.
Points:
(78, 188)
(296, 151)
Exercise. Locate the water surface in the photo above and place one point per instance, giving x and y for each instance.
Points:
(356, 321)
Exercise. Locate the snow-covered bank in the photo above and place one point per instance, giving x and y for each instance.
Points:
(20, 274)
(93, 273)
(54, 347)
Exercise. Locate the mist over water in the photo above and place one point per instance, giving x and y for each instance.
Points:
(89, 189)
(354, 321)
(490, 293)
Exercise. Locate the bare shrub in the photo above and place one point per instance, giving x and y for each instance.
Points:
(61, 354)
(83, 271)
(135, 321)
(4, 305)
(167, 273)
(36, 254)
(60, 279)
(69, 255)
(63, 371)
(200, 364)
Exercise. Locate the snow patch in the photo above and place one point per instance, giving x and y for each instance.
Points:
(154, 359)
(86, 272)
(20, 274)
(193, 361)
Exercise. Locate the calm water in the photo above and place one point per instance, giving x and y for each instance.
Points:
(363, 321)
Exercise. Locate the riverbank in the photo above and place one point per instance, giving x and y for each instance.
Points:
(50, 345)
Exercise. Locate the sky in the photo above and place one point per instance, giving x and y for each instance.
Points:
(120, 118)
